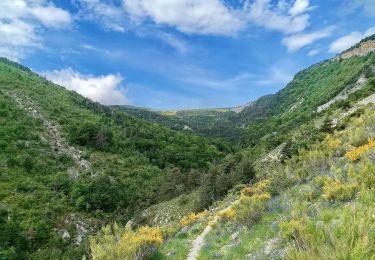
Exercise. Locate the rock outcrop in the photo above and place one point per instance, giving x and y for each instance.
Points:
(362, 49)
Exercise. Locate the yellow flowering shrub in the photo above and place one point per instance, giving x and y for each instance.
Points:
(338, 191)
(332, 142)
(113, 243)
(192, 217)
(228, 214)
(256, 188)
(356, 153)
(250, 209)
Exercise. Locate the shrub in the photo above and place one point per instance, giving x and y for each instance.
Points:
(365, 174)
(92, 134)
(344, 233)
(113, 243)
(332, 143)
(192, 217)
(227, 214)
(338, 191)
(250, 209)
(256, 188)
(295, 230)
(356, 153)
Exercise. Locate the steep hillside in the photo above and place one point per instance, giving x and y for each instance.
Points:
(319, 204)
(311, 162)
(272, 117)
(74, 172)
(68, 165)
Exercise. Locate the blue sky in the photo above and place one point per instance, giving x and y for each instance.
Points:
(178, 54)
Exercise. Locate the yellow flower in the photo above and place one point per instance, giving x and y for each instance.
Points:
(357, 152)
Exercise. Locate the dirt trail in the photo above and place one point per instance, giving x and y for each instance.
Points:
(58, 143)
(199, 241)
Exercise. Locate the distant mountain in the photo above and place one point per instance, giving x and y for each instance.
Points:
(286, 109)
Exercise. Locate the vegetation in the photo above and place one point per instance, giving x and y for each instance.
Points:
(48, 202)
(74, 172)
(112, 243)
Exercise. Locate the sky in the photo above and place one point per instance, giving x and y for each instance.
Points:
(178, 54)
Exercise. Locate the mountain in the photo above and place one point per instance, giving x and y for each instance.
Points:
(311, 195)
(295, 104)
(69, 165)
(79, 179)
(208, 122)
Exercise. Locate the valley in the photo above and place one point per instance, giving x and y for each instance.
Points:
(290, 175)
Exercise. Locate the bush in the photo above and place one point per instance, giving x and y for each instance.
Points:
(365, 174)
(295, 230)
(92, 134)
(338, 191)
(192, 217)
(258, 187)
(250, 209)
(227, 214)
(114, 243)
(356, 153)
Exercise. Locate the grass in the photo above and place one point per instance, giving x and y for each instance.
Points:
(178, 246)
(249, 241)
(169, 212)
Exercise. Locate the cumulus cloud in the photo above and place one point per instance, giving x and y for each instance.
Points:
(213, 17)
(105, 89)
(349, 40)
(190, 16)
(20, 21)
(298, 41)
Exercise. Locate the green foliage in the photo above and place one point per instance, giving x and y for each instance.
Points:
(45, 194)
(115, 243)
(233, 170)
(92, 135)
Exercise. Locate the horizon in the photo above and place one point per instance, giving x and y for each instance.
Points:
(178, 55)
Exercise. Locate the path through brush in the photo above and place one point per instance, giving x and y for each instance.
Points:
(199, 241)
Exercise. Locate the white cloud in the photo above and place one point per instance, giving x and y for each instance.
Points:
(279, 17)
(298, 41)
(108, 16)
(349, 40)
(51, 16)
(299, 7)
(105, 89)
(190, 16)
(209, 17)
(20, 23)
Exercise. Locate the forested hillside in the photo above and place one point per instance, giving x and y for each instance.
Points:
(310, 197)
(272, 117)
(294, 178)
(69, 165)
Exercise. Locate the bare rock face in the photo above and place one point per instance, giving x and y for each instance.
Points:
(363, 49)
